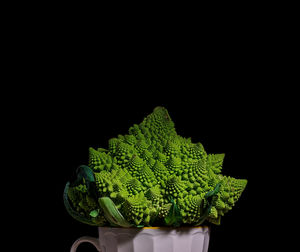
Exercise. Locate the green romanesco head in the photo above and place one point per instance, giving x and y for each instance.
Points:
(150, 171)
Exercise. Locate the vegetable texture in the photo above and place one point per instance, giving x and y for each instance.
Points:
(152, 176)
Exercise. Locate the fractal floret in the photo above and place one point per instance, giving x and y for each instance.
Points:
(151, 177)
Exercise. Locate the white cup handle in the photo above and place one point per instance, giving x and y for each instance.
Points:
(82, 239)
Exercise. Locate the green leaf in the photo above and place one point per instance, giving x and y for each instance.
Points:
(216, 221)
(213, 192)
(112, 214)
(208, 197)
(85, 173)
(72, 212)
(174, 217)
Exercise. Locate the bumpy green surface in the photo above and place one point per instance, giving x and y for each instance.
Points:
(150, 170)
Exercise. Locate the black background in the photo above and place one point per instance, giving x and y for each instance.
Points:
(222, 92)
(229, 109)
(73, 79)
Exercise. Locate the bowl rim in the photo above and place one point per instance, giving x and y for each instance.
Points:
(162, 227)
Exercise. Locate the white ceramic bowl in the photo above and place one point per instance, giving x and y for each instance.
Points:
(149, 239)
